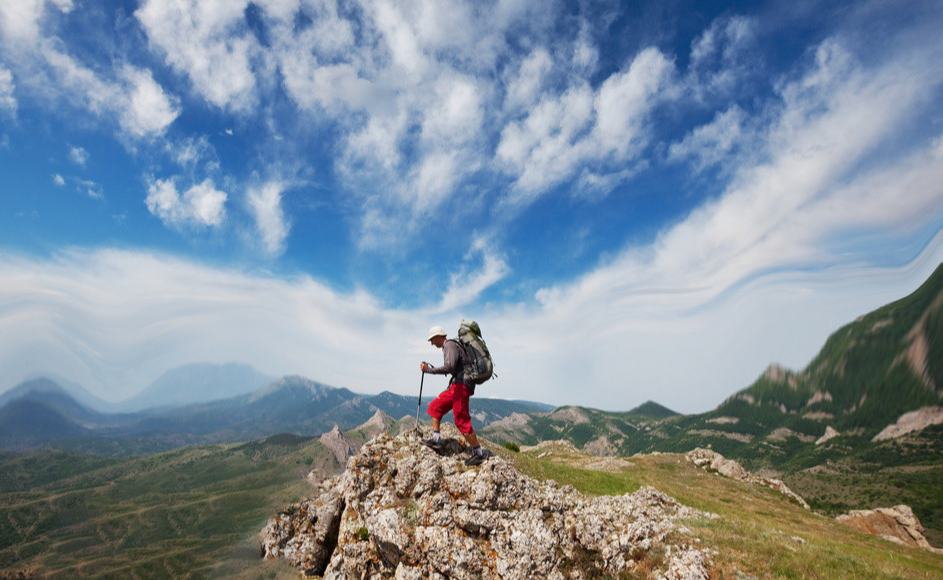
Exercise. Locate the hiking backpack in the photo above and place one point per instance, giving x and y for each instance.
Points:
(478, 364)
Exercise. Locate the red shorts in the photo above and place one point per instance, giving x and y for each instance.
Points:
(454, 399)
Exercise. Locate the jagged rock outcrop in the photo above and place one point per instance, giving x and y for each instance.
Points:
(376, 424)
(898, 524)
(909, 422)
(830, 433)
(403, 511)
(708, 458)
(339, 443)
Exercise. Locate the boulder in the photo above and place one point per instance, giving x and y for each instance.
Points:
(898, 524)
(403, 511)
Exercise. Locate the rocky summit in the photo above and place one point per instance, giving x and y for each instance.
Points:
(404, 511)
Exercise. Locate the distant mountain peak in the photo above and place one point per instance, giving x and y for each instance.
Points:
(197, 383)
(379, 422)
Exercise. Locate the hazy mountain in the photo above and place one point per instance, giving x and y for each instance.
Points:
(290, 404)
(27, 423)
(58, 386)
(197, 383)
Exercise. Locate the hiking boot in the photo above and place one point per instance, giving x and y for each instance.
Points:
(475, 459)
(433, 444)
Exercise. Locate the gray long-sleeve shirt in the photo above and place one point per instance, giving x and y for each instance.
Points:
(453, 363)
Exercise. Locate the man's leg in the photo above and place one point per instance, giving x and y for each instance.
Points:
(472, 439)
(462, 417)
(437, 408)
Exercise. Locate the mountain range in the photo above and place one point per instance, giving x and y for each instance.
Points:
(875, 379)
(41, 413)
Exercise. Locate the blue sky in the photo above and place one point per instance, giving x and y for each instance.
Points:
(637, 201)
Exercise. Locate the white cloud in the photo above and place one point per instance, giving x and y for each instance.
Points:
(455, 115)
(715, 142)
(134, 99)
(21, 20)
(625, 99)
(58, 180)
(530, 82)
(90, 188)
(7, 100)
(115, 320)
(148, 110)
(190, 152)
(465, 286)
(265, 204)
(586, 128)
(78, 155)
(202, 204)
(721, 57)
(209, 42)
(394, 68)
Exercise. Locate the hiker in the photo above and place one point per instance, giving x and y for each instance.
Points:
(455, 398)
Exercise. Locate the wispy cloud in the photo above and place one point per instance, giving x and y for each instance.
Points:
(715, 143)
(113, 320)
(90, 188)
(78, 155)
(138, 104)
(467, 284)
(7, 100)
(721, 58)
(265, 203)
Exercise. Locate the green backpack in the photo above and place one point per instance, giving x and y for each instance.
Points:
(478, 364)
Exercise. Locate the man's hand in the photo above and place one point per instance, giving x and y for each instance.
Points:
(425, 367)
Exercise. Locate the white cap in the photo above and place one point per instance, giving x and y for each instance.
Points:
(436, 331)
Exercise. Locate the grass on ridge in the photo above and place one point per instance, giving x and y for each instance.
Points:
(760, 534)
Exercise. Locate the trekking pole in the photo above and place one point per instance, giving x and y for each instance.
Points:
(419, 405)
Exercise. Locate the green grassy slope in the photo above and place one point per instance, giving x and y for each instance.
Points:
(180, 514)
(759, 533)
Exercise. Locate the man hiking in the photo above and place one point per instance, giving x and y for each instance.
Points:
(455, 398)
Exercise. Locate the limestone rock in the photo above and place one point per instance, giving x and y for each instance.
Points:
(707, 458)
(305, 534)
(898, 524)
(403, 511)
(337, 442)
(376, 424)
(830, 433)
(913, 421)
